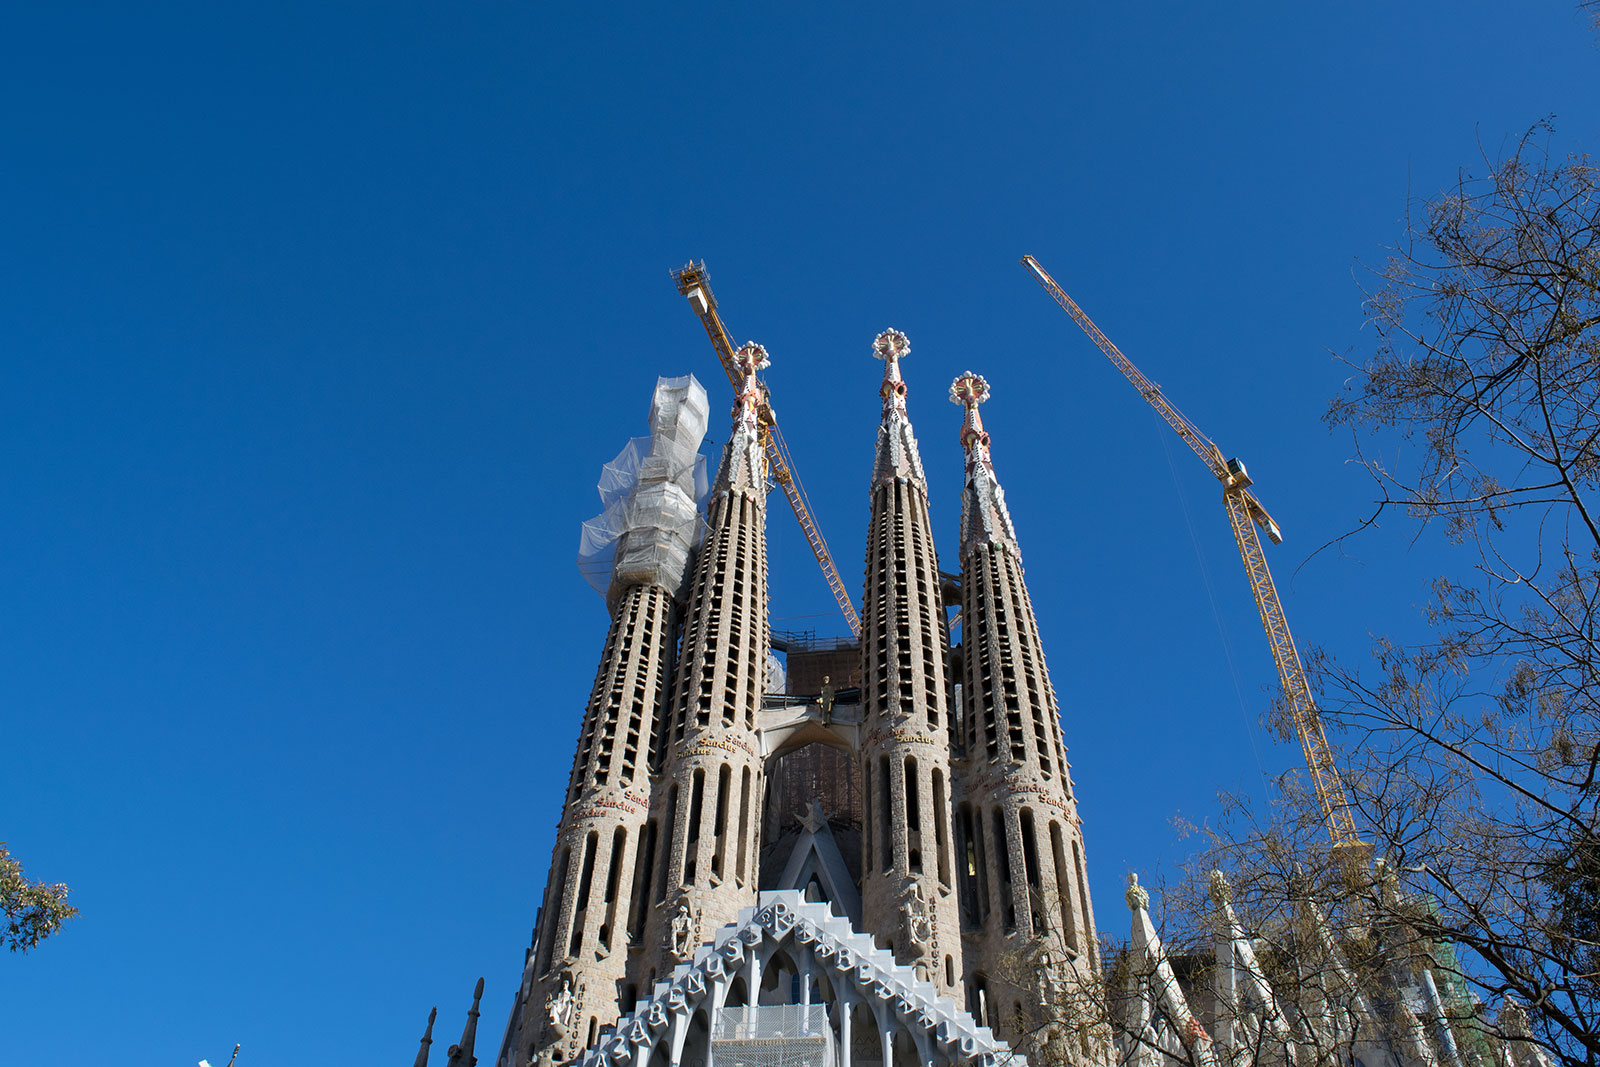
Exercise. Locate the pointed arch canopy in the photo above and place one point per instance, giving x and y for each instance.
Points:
(939, 1030)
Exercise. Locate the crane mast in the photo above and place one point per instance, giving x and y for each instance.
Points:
(694, 283)
(1245, 515)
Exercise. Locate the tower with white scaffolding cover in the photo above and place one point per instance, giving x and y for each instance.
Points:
(708, 746)
(592, 907)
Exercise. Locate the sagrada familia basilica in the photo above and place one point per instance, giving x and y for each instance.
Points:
(876, 861)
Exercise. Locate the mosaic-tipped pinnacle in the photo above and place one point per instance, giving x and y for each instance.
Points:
(969, 389)
(891, 344)
(754, 354)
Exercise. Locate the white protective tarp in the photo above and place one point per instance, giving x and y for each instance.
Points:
(653, 496)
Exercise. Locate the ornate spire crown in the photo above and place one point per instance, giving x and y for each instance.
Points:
(749, 358)
(1137, 897)
(970, 390)
(892, 346)
(744, 462)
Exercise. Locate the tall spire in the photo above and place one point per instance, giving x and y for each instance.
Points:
(1152, 987)
(593, 906)
(427, 1040)
(706, 799)
(898, 456)
(744, 465)
(462, 1055)
(908, 863)
(1018, 829)
(984, 518)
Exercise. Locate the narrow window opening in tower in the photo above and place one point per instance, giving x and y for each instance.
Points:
(619, 841)
(867, 823)
(744, 822)
(978, 999)
(594, 1030)
(1030, 867)
(913, 817)
(643, 873)
(887, 793)
(949, 972)
(547, 941)
(581, 902)
(1083, 904)
(630, 998)
(1005, 863)
(941, 837)
(1069, 928)
(691, 853)
(966, 888)
(719, 828)
(980, 870)
(670, 830)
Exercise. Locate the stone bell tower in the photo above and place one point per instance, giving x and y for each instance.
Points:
(1027, 892)
(570, 987)
(908, 857)
(709, 791)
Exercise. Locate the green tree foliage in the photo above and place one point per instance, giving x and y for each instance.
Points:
(33, 910)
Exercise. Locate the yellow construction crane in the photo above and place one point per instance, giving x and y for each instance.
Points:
(1245, 513)
(694, 283)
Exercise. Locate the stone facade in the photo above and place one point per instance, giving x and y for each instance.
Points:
(959, 805)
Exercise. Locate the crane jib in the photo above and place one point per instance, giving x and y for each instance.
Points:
(1245, 513)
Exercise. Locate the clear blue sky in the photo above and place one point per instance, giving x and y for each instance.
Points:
(317, 321)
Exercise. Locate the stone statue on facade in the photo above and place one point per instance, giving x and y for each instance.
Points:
(681, 929)
(560, 1006)
(825, 701)
(918, 925)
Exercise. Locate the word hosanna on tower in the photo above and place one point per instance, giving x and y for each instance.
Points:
(873, 857)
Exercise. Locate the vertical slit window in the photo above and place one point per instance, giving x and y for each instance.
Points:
(886, 791)
(1083, 903)
(691, 853)
(1002, 849)
(643, 872)
(1069, 927)
(1030, 870)
(913, 817)
(671, 830)
(941, 841)
(719, 827)
(581, 904)
(619, 840)
(553, 909)
(744, 821)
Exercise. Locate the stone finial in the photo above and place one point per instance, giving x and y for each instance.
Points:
(462, 1055)
(970, 390)
(427, 1040)
(1221, 889)
(892, 346)
(1137, 897)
